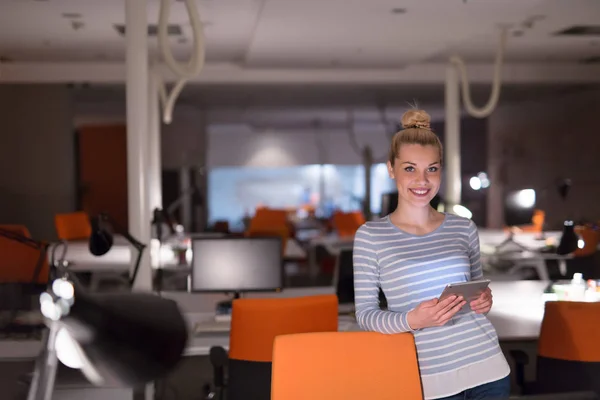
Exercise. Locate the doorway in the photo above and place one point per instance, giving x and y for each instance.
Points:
(102, 171)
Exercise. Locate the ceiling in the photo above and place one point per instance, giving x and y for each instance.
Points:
(309, 33)
(316, 96)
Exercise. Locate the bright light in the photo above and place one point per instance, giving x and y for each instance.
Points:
(462, 211)
(48, 308)
(63, 288)
(580, 244)
(526, 198)
(67, 351)
(475, 183)
(483, 178)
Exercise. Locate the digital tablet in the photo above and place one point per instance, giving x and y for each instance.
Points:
(468, 290)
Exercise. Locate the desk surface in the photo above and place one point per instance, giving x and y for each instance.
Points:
(517, 315)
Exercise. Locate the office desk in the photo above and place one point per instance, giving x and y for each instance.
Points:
(517, 315)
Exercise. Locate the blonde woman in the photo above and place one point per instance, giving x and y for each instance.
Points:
(412, 254)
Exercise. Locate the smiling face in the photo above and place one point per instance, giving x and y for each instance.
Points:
(417, 172)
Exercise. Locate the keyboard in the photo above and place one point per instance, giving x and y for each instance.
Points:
(212, 326)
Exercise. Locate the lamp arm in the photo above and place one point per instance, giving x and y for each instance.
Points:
(119, 229)
(17, 237)
(139, 246)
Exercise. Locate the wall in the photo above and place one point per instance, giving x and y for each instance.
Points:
(279, 148)
(37, 156)
(534, 143)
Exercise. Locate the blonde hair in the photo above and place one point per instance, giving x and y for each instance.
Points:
(416, 130)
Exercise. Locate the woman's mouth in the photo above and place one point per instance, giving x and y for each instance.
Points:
(420, 192)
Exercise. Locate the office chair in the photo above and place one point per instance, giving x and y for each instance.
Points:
(24, 272)
(345, 366)
(254, 325)
(73, 226)
(568, 358)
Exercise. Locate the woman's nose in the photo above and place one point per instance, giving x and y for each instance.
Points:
(422, 177)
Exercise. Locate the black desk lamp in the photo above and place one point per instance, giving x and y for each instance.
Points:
(101, 240)
(123, 339)
(569, 241)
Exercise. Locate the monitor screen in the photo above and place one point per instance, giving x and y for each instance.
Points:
(236, 264)
(519, 207)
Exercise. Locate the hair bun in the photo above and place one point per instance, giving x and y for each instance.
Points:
(416, 119)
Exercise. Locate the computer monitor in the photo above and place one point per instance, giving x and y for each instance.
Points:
(236, 265)
(519, 206)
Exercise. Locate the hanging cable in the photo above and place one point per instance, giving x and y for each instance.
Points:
(496, 83)
(182, 72)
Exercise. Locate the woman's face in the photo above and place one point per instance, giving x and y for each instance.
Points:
(417, 172)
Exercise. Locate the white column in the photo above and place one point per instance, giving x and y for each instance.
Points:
(154, 144)
(452, 138)
(137, 133)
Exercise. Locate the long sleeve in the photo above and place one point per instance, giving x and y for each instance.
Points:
(366, 289)
(474, 254)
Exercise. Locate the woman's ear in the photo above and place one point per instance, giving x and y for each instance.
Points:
(390, 170)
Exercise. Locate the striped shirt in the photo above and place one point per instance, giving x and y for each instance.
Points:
(410, 269)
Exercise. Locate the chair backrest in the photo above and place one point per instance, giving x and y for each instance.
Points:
(73, 226)
(345, 365)
(255, 323)
(590, 237)
(21, 263)
(346, 224)
(268, 218)
(569, 347)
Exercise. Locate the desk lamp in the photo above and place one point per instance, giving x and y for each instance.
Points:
(101, 240)
(123, 339)
(570, 240)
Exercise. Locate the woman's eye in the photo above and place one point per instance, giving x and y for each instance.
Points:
(433, 169)
(409, 169)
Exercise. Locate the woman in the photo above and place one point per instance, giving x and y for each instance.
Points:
(412, 254)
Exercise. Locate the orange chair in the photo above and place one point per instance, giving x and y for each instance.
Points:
(590, 237)
(255, 323)
(347, 224)
(22, 262)
(268, 218)
(568, 358)
(345, 366)
(73, 226)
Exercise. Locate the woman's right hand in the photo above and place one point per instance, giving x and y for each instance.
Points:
(434, 312)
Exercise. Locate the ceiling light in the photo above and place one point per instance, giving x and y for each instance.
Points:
(398, 10)
(580, 30)
(71, 15)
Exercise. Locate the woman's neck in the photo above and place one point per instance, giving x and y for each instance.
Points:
(413, 216)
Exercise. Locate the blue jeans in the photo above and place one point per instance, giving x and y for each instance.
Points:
(497, 390)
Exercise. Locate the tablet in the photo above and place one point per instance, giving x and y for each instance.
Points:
(468, 290)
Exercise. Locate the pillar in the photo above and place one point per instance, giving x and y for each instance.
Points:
(136, 60)
(154, 154)
(452, 138)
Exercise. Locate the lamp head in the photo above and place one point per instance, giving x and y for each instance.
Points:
(563, 186)
(569, 241)
(122, 339)
(101, 239)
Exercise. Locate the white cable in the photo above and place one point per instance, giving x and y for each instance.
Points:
(495, 95)
(182, 72)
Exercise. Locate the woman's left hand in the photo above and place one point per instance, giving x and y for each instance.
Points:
(483, 303)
